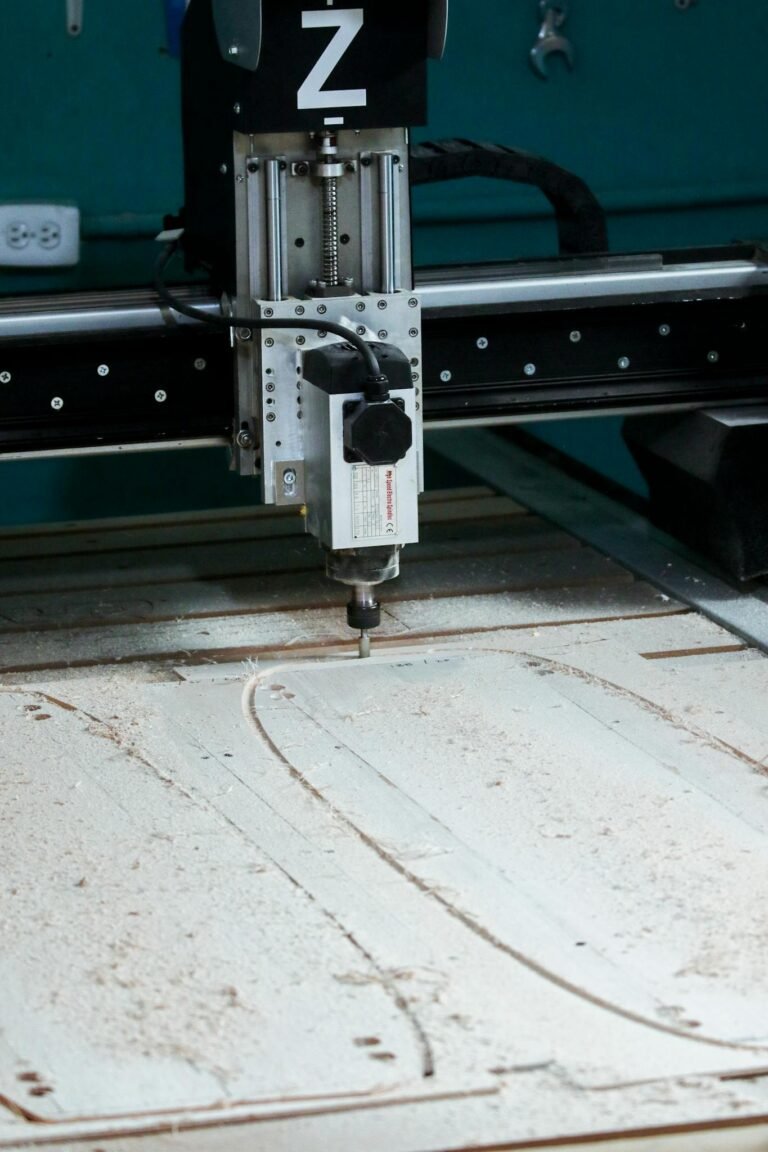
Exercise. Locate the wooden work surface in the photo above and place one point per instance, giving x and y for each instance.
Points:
(502, 883)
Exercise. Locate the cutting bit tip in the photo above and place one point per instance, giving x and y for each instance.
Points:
(364, 645)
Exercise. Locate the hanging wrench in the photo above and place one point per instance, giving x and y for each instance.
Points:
(554, 14)
(74, 17)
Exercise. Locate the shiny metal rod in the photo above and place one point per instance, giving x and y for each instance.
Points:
(387, 223)
(274, 230)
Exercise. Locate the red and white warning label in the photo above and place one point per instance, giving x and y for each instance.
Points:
(374, 501)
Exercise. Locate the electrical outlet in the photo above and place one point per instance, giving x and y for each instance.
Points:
(35, 235)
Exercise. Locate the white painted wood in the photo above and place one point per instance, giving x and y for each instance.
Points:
(444, 905)
(155, 959)
(579, 825)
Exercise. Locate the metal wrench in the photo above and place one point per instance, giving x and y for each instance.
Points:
(554, 14)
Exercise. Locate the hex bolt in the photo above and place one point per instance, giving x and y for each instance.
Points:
(413, 332)
(383, 334)
(321, 308)
(382, 304)
(360, 330)
(664, 329)
(269, 342)
(201, 364)
(244, 439)
(301, 339)
(271, 417)
(360, 306)
(57, 403)
(575, 336)
(161, 395)
(103, 369)
(530, 369)
(445, 375)
(713, 357)
(269, 312)
(413, 302)
(623, 362)
(482, 342)
(5, 377)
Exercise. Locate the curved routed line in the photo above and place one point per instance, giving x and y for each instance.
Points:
(465, 918)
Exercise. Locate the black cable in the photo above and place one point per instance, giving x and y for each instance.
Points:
(376, 376)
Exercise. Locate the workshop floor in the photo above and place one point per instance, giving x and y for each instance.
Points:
(501, 883)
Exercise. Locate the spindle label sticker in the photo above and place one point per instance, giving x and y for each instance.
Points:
(374, 501)
(348, 22)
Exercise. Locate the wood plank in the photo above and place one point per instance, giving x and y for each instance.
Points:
(156, 597)
(214, 560)
(240, 636)
(252, 524)
(238, 989)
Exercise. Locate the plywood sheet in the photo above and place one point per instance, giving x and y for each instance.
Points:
(152, 957)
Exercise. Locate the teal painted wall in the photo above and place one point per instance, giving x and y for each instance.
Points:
(663, 114)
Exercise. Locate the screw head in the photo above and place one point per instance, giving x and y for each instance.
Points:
(5, 377)
(623, 362)
(243, 334)
(445, 375)
(413, 332)
(575, 336)
(57, 403)
(244, 439)
(201, 364)
(413, 302)
(252, 166)
(360, 330)
(530, 369)
(161, 395)
(382, 304)
(270, 387)
(482, 342)
(271, 417)
(713, 357)
(289, 477)
(269, 342)
(321, 308)
(383, 334)
(360, 306)
(664, 329)
(301, 339)
(269, 312)
(414, 376)
(299, 310)
(103, 369)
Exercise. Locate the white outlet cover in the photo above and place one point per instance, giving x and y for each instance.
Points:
(38, 235)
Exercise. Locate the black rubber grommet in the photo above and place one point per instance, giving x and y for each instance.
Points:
(361, 618)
